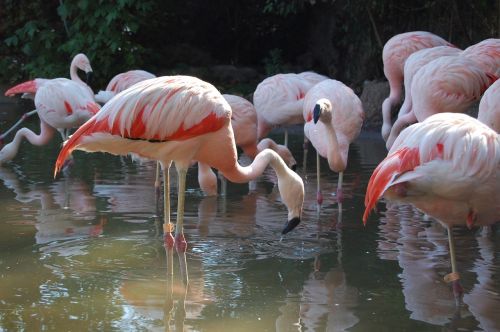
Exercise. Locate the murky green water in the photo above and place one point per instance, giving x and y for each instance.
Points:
(85, 252)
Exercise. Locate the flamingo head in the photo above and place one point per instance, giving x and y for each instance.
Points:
(291, 189)
(82, 62)
(322, 111)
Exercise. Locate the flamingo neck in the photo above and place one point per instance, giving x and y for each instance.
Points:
(73, 73)
(243, 174)
(336, 152)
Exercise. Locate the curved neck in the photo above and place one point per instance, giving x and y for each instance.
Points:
(266, 143)
(243, 174)
(10, 150)
(336, 152)
(73, 73)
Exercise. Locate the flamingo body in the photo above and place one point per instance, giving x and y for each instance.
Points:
(180, 119)
(446, 166)
(489, 106)
(448, 84)
(395, 52)
(486, 54)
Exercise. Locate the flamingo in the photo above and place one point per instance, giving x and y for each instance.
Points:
(279, 100)
(61, 104)
(244, 123)
(179, 119)
(489, 106)
(121, 82)
(396, 51)
(29, 88)
(338, 116)
(414, 62)
(448, 167)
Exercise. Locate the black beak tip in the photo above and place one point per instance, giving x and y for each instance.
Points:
(294, 167)
(89, 76)
(316, 113)
(290, 225)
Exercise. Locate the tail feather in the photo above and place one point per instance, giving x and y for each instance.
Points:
(72, 143)
(93, 108)
(400, 161)
(26, 87)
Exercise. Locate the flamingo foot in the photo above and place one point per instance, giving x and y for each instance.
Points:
(180, 243)
(169, 241)
(319, 197)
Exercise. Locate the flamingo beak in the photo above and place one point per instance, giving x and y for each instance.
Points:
(294, 167)
(316, 113)
(291, 224)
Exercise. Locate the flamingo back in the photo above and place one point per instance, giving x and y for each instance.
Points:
(447, 84)
(486, 54)
(125, 80)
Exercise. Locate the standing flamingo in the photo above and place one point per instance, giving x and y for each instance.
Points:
(29, 88)
(414, 62)
(61, 104)
(279, 100)
(179, 119)
(121, 82)
(338, 116)
(396, 51)
(448, 167)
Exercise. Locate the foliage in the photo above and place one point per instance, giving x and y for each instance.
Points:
(274, 62)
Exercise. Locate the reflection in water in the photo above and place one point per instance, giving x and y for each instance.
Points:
(420, 247)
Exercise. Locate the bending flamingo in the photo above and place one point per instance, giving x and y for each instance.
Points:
(279, 100)
(179, 119)
(395, 52)
(486, 54)
(414, 62)
(338, 116)
(244, 123)
(61, 104)
(121, 82)
(448, 167)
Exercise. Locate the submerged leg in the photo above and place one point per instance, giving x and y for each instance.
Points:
(319, 195)
(180, 241)
(340, 191)
(453, 277)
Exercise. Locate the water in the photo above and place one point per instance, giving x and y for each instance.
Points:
(85, 252)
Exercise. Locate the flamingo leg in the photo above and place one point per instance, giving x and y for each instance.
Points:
(319, 195)
(157, 180)
(223, 184)
(286, 137)
(306, 149)
(168, 227)
(21, 120)
(340, 192)
(180, 241)
(169, 300)
(453, 277)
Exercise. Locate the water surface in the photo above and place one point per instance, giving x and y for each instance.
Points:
(85, 252)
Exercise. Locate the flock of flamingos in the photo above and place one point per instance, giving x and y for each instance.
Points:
(444, 162)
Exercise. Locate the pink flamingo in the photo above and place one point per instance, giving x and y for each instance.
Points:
(446, 166)
(121, 82)
(338, 116)
(446, 84)
(244, 123)
(279, 100)
(489, 106)
(395, 52)
(29, 88)
(179, 119)
(414, 62)
(61, 104)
